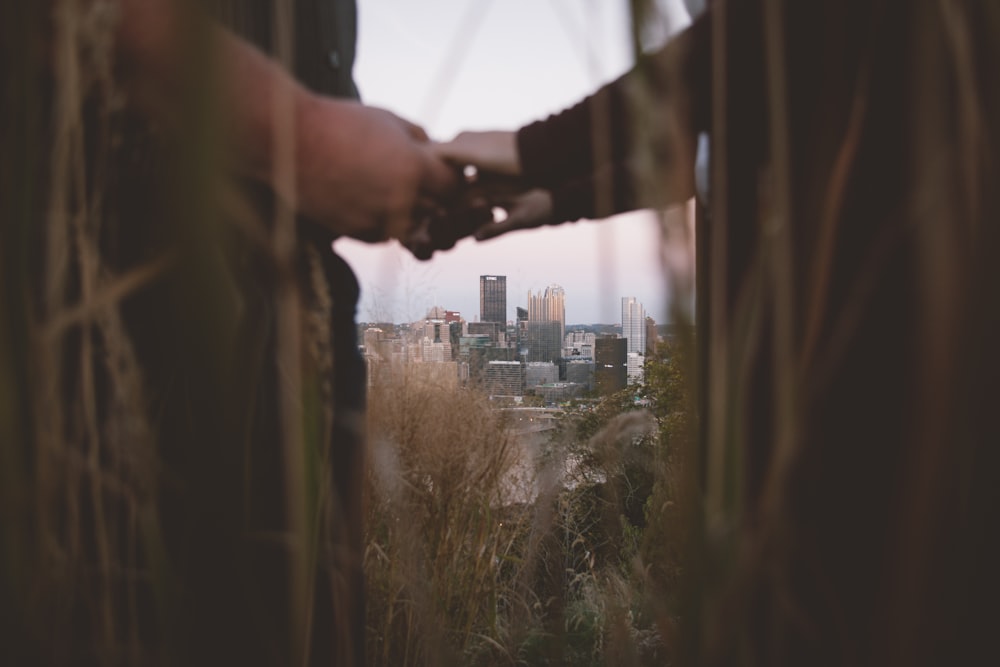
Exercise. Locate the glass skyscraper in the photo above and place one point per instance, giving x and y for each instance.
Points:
(549, 306)
(634, 324)
(493, 299)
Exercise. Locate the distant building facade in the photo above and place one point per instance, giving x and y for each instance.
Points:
(548, 306)
(634, 331)
(540, 372)
(435, 343)
(493, 299)
(610, 364)
(652, 336)
(634, 367)
(494, 330)
(542, 341)
(504, 378)
(634, 324)
(581, 372)
(579, 344)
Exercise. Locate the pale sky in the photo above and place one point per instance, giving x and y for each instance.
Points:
(452, 65)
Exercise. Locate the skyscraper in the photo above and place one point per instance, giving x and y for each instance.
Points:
(652, 336)
(634, 331)
(634, 324)
(543, 342)
(493, 299)
(611, 369)
(549, 306)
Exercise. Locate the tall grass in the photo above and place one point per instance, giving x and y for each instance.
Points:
(440, 551)
(834, 504)
(485, 549)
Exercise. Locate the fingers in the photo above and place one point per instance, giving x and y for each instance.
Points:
(436, 228)
(524, 211)
(442, 231)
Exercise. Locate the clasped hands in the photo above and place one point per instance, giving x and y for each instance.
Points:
(491, 180)
(372, 175)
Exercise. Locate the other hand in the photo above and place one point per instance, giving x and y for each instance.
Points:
(364, 171)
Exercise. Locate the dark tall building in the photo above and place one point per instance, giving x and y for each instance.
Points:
(543, 341)
(493, 299)
(610, 364)
(652, 336)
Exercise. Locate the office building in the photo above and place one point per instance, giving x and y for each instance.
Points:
(504, 378)
(652, 335)
(540, 372)
(488, 328)
(581, 372)
(610, 364)
(634, 332)
(493, 299)
(548, 306)
(579, 344)
(634, 370)
(542, 341)
(634, 324)
(434, 340)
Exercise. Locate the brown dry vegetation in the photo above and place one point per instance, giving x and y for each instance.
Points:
(482, 551)
(830, 498)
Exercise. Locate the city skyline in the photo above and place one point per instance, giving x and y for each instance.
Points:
(406, 63)
(580, 306)
(542, 300)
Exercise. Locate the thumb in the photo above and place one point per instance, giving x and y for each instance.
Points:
(533, 208)
(440, 181)
(413, 130)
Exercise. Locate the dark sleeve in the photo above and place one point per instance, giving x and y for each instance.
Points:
(325, 38)
(608, 190)
(601, 129)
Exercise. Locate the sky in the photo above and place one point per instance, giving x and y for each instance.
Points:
(453, 65)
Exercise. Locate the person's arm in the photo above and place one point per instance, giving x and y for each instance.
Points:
(609, 190)
(666, 96)
(358, 170)
(626, 117)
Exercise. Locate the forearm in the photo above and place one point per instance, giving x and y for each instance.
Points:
(356, 170)
(610, 126)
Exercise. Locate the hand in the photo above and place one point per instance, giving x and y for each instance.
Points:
(524, 210)
(464, 216)
(473, 214)
(493, 151)
(365, 172)
(442, 229)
